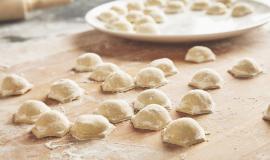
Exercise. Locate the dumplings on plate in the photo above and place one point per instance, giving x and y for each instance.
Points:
(217, 9)
(242, 9)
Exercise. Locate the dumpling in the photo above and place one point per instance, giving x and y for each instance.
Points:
(200, 54)
(200, 5)
(65, 90)
(156, 13)
(121, 26)
(108, 16)
(206, 79)
(217, 9)
(138, 6)
(226, 2)
(166, 65)
(173, 7)
(91, 127)
(87, 62)
(150, 77)
(158, 3)
(134, 16)
(121, 10)
(152, 96)
(242, 9)
(115, 110)
(30, 111)
(51, 124)
(13, 84)
(245, 68)
(152, 117)
(118, 81)
(102, 71)
(144, 19)
(147, 28)
(196, 102)
(266, 115)
(183, 132)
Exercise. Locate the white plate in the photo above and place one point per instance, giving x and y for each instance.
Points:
(190, 26)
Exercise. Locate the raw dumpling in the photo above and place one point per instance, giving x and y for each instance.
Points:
(120, 10)
(147, 28)
(65, 90)
(121, 26)
(13, 84)
(266, 115)
(241, 9)
(226, 2)
(166, 65)
(200, 5)
(152, 117)
(158, 3)
(30, 111)
(51, 124)
(155, 13)
(246, 68)
(199, 54)
(87, 62)
(91, 127)
(115, 110)
(217, 9)
(152, 96)
(134, 16)
(150, 77)
(102, 71)
(173, 7)
(118, 81)
(183, 132)
(144, 19)
(196, 102)
(108, 16)
(138, 6)
(206, 79)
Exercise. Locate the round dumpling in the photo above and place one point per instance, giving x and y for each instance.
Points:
(200, 5)
(183, 132)
(144, 19)
(173, 7)
(87, 62)
(30, 111)
(91, 127)
(147, 28)
(196, 102)
(156, 13)
(115, 110)
(200, 54)
(166, 65)
(152, 96)
(121, 26)
(217, 9)
(138, 6)
(150, 77)
(241, 9)
(121, 10)
(152, 117)
(226, 2)
(159, 3)
(108, 16)
(102, 71)
(134, 16)
(266, 115)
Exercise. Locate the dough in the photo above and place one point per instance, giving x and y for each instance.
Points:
(65, 90)
(156, 13)
(152, 96)
(200, 5)
(152, 117)
(150, 77)
(266, 115)
(246, 68)
(147, 28)
(242, 9)
(87, 62)
(183, 132)
(91, 127)
(217, 9)
(166, 65)
(119, 9)
(196, 102)
(200, 54)
(118, 81)
(226, 2)
(174, 7)
(144, 19)
(134, 16)
(121, 26)
(108, 16)
(206, 79)
(30, 111)
(13, 84)
(115, 110)
(159, 3)
(102, 71)
(51, 124)
(138, 6)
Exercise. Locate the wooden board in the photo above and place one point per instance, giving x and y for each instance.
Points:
(236, 128)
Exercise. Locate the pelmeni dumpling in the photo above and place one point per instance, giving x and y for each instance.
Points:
(51, 124)
(108, 16)
(196, 102)
(166, 65)
(121, 25)
(30, 111)
(144, 19)
(121, 10)
(152, 96)
(173, 7)
(206, 79)
(158, 3)
(152, 117)
(115, 110)
(91, 127)
(183, 132)
(138, 6)
(118, 81)
(246, 68)
(217, 9)
(134, 16)
(156, 13)
(200, 5)
(147, 28)
(226, 2)
(266, 114)
(102, 71)
(242, 9)
(65, 90)
(13, 84)
(200, 54)
(87, 62)
(150, 77)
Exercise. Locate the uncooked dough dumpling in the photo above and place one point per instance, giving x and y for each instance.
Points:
(183, 132)
(134, 16)
(115, 110)
(152, 96)
(166, 65)
(137, 6)
(158, 3)
(13, 84)
(206, 79)
(200, 54)
(156, 13)
(152, 117)
(150, 77)
(102, 71)
(147, 28)
(121, 25)
(173, 7)
(144, 19)
(65, 90)
(226, 2)
(266, 114)
(91, 127)
(51, 124)
(121, 10)
(246, 68)
(200, 5)
(118, 81)
(217, 9)
(108, 16)
(241, 9)
(30, 111)
(87, 62)
(196, 102)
